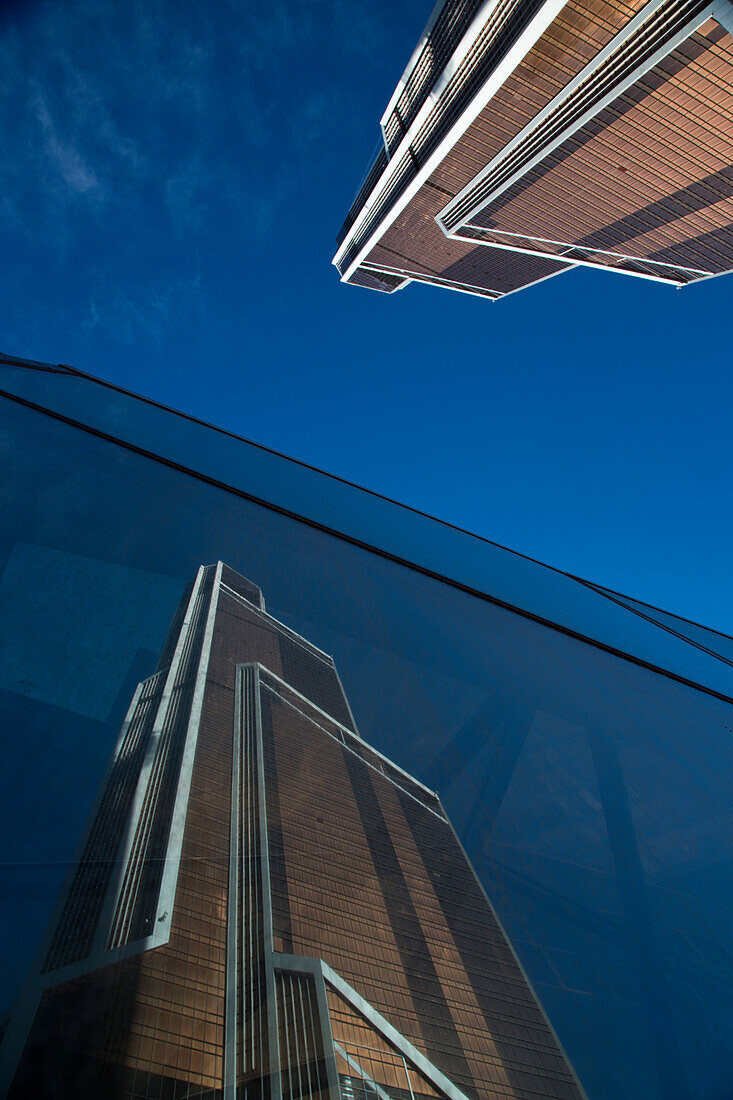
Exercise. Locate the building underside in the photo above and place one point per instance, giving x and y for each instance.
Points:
(526, 138)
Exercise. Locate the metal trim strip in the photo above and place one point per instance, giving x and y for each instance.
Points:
(451, 227)
(362, 544)
(536, 27)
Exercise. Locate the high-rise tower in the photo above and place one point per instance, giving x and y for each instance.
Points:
(527, 137)
(264, 906)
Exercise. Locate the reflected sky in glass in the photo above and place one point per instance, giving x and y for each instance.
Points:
(476, 563)
(592, 795)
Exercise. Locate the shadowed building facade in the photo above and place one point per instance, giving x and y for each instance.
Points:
(527, 137)
(264, 906)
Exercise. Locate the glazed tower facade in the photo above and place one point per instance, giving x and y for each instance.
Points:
(264, 906)
(528, 137)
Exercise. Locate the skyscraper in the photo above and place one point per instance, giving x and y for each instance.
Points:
(527, 137)
(265, 906)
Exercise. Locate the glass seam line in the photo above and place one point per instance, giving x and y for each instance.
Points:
(66, 369)
(424, 570)
(604, 590)
(663, 626)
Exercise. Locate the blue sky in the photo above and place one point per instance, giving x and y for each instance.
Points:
(173, 178)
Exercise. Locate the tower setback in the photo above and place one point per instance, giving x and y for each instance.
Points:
(264, 906)
(528, 137)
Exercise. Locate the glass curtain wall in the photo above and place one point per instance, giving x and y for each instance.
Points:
(591, 789)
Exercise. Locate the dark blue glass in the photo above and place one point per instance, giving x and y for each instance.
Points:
(491, 569)
(592, 794)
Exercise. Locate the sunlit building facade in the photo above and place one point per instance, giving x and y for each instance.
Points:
(265, 906)
(528, 137)
(579, 742)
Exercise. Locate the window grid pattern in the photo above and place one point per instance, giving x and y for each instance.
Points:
(414, 241)
(135, 913)
(376, 1056)
(302, 1056)
(579, 31)
(360, 897)
(354, 856)
(656, 205)
(306, 668)
(153, 1026)
(666, 214)
(353, 744)
(74, 934)
(651, 36)
(504, 25)
(442, 39)
(252, 1038)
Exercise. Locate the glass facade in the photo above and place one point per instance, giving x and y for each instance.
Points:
(579, 741)
(248, 854)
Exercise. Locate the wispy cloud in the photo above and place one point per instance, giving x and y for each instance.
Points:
(63, 156)
(146, 312)
(138, 135)
(152, 100)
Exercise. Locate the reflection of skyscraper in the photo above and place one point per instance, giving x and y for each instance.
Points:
(527, 137)
(264, 906)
